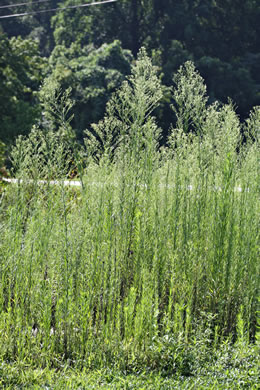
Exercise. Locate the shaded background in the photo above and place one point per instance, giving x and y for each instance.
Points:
(91, 49)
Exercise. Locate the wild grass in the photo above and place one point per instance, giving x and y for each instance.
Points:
(226, 368)
(155, 254)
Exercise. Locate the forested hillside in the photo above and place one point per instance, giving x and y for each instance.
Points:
(91, 50)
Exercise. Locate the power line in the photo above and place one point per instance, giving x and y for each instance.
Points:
(27, 3)
(57, 9)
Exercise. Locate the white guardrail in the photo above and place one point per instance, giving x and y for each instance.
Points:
(76, 183)
(73, 183)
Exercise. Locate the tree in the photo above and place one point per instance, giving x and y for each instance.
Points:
(93, 74)
(21, 71)
(220, 36)
(36, 26)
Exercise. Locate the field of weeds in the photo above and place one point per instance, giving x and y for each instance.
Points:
(152, 264)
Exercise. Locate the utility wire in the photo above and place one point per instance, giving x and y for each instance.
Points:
(27, 3)
(57, 9)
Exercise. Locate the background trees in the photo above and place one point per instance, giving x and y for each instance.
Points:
(21, 71)
(220, 36)
(93, 74)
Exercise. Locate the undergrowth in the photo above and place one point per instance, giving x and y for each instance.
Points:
(152, 264)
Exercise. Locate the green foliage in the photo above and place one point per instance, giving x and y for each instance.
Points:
(93, 74)
(56, 107)
(127, 124)
(189, 98)
(152, 264)
(227, 368)
(3, 171)
(52, 148)
(177, 56)
(2, 153)
(225, 79)
(252, 126)
(21, 70)
(72, 25)
(222, 38)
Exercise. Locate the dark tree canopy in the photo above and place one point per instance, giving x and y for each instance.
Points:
(86, 49)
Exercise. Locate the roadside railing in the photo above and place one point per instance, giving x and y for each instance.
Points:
(77, 183)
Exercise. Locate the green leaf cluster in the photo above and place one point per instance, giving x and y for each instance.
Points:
(93, 75)
(21, 70)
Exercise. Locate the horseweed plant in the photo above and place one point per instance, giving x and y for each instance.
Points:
(156, 252)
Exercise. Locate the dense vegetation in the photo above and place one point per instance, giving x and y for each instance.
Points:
(151, 266)
(91, 49)
(146, 275)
